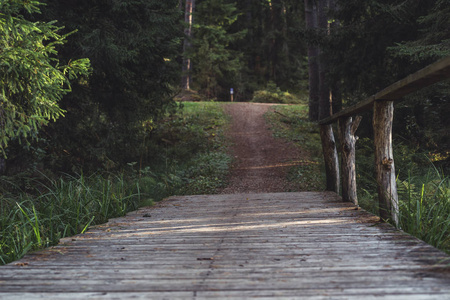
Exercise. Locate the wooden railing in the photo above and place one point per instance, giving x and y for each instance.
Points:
(382, 104)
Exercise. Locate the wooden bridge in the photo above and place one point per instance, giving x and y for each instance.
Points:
(287, 245)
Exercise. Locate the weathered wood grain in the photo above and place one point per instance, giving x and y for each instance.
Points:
(383, 116)
(330, 157)
(288, 246)
(347, 130)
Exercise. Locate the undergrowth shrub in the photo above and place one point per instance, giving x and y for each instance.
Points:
(273, 94)
(206, 173)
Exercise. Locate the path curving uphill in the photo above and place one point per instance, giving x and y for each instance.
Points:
(261, 161)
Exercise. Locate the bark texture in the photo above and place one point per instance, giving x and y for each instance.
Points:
(384, 160)
(347, 130)
(331, 158)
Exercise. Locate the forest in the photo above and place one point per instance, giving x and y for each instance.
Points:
(96, 97)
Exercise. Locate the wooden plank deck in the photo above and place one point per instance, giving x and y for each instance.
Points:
(285, 246)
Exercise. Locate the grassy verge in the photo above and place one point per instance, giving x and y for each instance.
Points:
(189, 157)
(63, 207)
(191, 152)
(291, 123)
(425, 207)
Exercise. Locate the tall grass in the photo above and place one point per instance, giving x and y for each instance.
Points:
(425, 207)
(64, 207)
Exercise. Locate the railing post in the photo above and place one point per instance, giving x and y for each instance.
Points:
(331, 158)
(347, 130)
(384, 159)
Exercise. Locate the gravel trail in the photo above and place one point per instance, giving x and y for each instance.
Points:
(261, 161)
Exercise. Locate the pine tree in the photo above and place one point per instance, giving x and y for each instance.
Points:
(32, 81)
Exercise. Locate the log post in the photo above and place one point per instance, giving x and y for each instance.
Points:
(347, 137)
(331, 158)
(384, 160)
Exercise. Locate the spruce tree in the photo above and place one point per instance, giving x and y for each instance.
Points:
(32, 80)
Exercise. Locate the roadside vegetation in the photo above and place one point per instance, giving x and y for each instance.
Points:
(38, 209)
(290, 122)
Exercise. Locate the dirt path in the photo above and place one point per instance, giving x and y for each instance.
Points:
(262, 161)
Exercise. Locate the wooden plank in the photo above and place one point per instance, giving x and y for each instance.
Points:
(429, 75)
(268, 246)
(351, 294)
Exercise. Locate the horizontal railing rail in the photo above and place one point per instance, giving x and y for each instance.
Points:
(433, 73)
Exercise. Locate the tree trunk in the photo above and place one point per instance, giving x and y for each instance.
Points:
(187, 64)
(324, 90)
(336, 100)
(313, 66)
(347, 130)
(273, 59)
(330, 157)
(384, 160)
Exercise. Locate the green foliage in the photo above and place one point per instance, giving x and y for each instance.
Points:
(291, 123)
(425, 207)
(206, 173)
(62, 207)
(273, 94)
(32, 81)
(433, 41)
(197, 127)
(193, 149)
(246, 44)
